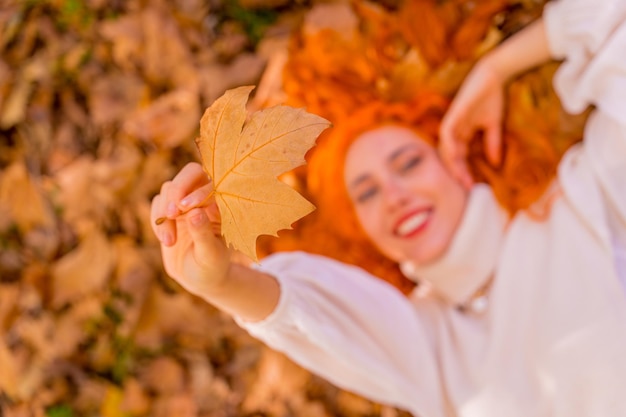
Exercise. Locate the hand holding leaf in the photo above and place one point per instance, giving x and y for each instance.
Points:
(243, 159)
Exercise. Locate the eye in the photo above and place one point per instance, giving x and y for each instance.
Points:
(410, 163)
(366, 194)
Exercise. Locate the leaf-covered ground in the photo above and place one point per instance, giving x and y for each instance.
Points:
(100, 101)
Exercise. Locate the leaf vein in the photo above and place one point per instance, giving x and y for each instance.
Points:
(272, 140)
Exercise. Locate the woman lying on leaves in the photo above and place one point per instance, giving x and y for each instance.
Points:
(526, 315)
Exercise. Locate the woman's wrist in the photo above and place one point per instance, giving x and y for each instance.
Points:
(217, 284)
(520, 53)
(243, 292)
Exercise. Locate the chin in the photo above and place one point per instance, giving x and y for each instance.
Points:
(429, 253)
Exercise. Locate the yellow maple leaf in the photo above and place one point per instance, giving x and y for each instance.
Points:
(244, 158)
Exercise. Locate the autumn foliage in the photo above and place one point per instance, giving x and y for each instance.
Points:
(99, 105)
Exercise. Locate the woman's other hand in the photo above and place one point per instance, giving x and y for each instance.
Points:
(192, 250)
(477, 107)
(479, 103)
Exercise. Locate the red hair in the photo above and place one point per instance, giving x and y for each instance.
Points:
(375, 77)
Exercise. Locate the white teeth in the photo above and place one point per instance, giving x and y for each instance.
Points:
(412, 223)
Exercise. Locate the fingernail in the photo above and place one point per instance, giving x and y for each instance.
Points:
(198, 219)
(167, 239)
(172, 210)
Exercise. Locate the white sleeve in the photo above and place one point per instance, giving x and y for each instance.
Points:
(353, 329)
(590, 35)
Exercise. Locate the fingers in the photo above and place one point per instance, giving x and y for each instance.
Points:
(493, 145)
(166, 206)
(207, 247)
(200, 197)
(164, 231)
(458, 167)
(453, 150)
(190, 178)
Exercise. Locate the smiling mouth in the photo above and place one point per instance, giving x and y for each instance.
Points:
(412, 224)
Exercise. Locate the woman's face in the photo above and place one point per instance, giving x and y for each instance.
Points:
(405, 199)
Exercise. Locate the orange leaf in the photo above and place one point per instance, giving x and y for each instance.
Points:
(244, 159)
(23, 200)
(84, 270)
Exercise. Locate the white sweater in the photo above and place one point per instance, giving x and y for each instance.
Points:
(551, 338)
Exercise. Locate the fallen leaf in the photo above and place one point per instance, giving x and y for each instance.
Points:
(37, 333)
(164, 376)
(244, 159)
(111, 406)
(162, 38)
(280, 384)
(15, 105)
(165, 317)
(22, 198)
(10, 374)
(167, 121)
(69, 331)
(201, 379)
(112, 97)
(84, 270)
(133, 276)
(135, 400)
(179, 405)
(5, 83)
(91, 396)
(216, 78)
(8, 299)
(126, 38)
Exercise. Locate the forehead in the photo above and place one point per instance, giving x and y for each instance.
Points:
(376, 146)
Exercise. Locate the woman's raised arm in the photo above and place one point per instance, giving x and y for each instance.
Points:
(479, 103)
(195, 255)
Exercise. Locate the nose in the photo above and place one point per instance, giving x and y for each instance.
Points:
(396, 194)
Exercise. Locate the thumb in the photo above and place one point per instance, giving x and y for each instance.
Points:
(207, 248)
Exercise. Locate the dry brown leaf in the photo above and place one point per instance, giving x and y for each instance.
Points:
(164, 375)
(10, 374)
(135, 401)
(69, 330)
(178, 405)
(113, 96)
(111, 405)
(8, 298)
(279, 385)
(215, 77)
(15, 105)
(244, 159)
(125, 36)
(167, 121)
(22, 198)
(167, 316)
(84, 270)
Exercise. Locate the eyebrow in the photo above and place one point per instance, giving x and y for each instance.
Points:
(394, 155)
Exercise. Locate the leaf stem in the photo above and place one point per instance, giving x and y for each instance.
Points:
(160, 220)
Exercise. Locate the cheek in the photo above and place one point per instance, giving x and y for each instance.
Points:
(454, 197)
(369, 220)
(447, 193)
(375, 230)
(441, 180)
